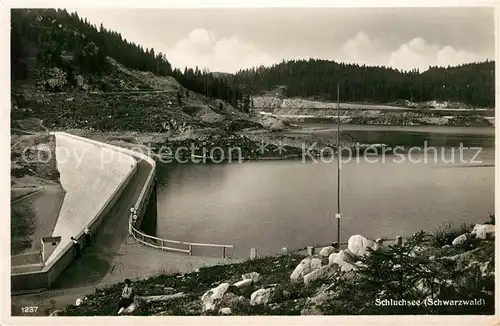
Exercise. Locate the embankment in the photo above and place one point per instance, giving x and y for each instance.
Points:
(446, 272)
(428, 113)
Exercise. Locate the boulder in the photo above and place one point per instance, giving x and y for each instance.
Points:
(359, 245)
(165, 297)
(327, 251)
(130, 309)
(243, 283)
(460, 240)
(212, 297)
(396, 267)
(225, 311)
(306, 266)
(482, 231)
(359, 263)
(253, 276)
(55, 313)
(462, 259)
(261, 297)
(78, 302)
(343, 260)
(324, 273)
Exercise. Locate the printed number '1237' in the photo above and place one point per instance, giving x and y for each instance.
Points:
(29, 309)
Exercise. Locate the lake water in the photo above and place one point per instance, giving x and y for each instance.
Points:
(270, 204)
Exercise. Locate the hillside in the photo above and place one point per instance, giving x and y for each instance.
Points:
(472, 84)
(46, 38)
(400, 113)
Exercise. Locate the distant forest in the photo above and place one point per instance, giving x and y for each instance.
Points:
(471, 83)
(46, 37)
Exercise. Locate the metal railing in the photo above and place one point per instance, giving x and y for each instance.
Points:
(159, 243)
(152, 241)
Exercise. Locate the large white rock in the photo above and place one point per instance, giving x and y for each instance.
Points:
(325, 272)
(212, 297)
(359, 245)
(243, 283)
(306, 266)
(459, 240)
(342, 259)
(481, 231)
(327, 251)
(253, 276)
(261, 296)
(130, 309)
(225, 311)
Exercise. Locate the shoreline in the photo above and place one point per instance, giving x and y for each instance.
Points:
(276, 272)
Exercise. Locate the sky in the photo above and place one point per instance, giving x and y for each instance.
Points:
(230, 39)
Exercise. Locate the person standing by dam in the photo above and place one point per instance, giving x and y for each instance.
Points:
(76, 246)
(87, 236)
(133, 212)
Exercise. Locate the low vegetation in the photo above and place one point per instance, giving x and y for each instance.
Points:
(421, 270)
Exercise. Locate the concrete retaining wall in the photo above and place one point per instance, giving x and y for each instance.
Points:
(93, 215)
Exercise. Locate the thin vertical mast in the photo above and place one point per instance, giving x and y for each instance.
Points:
(338, 165)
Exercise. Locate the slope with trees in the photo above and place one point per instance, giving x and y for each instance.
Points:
(471, 83)
(44, 38)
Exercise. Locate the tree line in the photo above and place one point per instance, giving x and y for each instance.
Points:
(50, 37)
(471, 83)
(57, 38)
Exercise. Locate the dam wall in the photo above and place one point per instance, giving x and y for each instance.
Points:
(94, 175)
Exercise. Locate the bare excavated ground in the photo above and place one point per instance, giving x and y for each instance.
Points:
(33, 160)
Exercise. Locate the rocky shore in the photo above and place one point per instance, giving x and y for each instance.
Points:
(400, 113)
(449, 271)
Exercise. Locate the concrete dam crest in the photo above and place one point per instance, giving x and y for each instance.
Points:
(96, 178)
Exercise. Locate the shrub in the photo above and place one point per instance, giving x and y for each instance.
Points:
(403, 273)
(446, 233)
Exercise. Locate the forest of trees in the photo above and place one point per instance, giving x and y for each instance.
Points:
(45, 37)
(471, 83)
